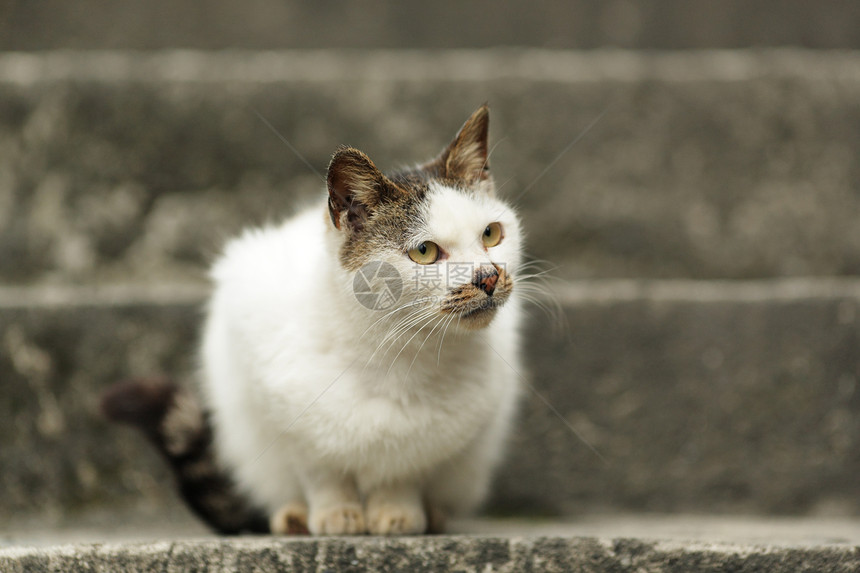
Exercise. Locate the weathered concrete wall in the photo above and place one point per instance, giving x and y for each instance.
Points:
(270, 24)
(703, 396)
(698, 397)
(57, 454)
(135, 167)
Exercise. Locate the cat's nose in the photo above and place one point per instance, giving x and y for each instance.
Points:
(486, 278)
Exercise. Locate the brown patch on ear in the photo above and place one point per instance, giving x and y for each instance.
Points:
(465, 158)
(355, 188)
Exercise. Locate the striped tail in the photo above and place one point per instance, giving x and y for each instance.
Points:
(175, 423)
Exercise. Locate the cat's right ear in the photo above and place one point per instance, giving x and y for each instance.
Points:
(466, 156)
(355, 188)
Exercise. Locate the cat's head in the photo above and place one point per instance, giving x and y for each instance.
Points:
(455, 246)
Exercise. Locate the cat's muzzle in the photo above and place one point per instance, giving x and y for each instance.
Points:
(476, 303)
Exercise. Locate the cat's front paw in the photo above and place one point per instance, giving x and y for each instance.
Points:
(291, 519)
(394, 519)
(345, 519)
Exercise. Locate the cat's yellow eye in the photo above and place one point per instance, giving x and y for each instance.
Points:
(492, 235)
(425, 253)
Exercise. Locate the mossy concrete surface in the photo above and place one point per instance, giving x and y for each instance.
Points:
(726, 164)
(702, 207)
(694, 396)
(601, 544)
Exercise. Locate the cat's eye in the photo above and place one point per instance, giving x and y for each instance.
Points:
(492, 235)
(425, 253)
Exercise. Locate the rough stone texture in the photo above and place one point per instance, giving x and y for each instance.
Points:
(719, 164)
(119, 525)
(446, 553)
(698, 397)
(215, 24)
(702, 396)
(56, 452)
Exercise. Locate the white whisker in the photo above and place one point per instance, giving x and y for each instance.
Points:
(401, 329)
(442, 338)
(433, 319)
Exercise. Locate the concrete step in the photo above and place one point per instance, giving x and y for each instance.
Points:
(697, 396)
(617, 543)
(131, 166)
(218, 24)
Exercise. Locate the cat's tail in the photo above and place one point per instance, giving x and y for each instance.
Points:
(175, 423)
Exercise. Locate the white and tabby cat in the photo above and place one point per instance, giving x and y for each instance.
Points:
(328, 415)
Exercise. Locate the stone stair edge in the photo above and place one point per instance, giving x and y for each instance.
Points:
(117, 525)
(248, 541)
(115, 294)
(570, 293)
(464, 65)
(468, 553)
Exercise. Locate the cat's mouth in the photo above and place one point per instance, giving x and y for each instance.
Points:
(487, 306)
(478, 317)
(473, 308)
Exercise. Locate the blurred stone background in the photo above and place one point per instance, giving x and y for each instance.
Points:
(689, 168)
(413, 24)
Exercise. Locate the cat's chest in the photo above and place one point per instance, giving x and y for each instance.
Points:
(429, 389)
(413, 419)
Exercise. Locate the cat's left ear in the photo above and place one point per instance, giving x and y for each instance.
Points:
(355, 188)
(465, 158)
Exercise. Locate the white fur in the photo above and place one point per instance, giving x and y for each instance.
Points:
(305, 388)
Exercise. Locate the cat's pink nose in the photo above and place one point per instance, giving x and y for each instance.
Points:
(486, 278)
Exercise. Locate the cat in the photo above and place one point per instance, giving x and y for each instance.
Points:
(326, 413)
